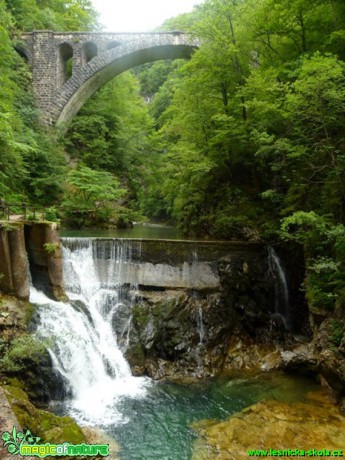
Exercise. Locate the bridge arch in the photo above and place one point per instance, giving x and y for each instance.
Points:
(104, 67)
(97, 58)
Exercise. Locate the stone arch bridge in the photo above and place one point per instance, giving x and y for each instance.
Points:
(69, 67)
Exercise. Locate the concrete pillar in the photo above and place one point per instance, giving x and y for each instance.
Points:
(6, 284)
(44, 251)
(19, 263)
(54, 263)
(14, 268)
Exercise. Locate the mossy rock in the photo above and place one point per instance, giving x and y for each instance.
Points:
(49, 427)
(15, 382)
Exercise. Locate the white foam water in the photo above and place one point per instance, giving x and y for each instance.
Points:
(281, 289)
(82, 341)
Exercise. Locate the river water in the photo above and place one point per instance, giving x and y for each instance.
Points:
(150, 420)
(160, 424)
(141, 231)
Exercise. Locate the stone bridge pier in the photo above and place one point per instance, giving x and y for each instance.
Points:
(68, 67)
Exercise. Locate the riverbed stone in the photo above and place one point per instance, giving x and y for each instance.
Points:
(313, 424)
(301, 360)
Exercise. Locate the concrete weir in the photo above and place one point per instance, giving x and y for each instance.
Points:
(166, 264)
(34, 249)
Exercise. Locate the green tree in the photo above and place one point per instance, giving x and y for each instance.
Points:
(61, 15)
(91, 197)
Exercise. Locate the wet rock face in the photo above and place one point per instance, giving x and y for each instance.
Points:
(33, 370)
(173, 333)
(247, 289)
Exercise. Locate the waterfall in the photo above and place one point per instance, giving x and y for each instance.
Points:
(82, 344)
(200, 326)
(281, 289)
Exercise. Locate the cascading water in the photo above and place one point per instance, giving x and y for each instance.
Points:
(281, 289)
(85, 350)
(199, 349)
(200, 326)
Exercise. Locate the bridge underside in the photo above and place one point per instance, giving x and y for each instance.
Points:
(78, 97)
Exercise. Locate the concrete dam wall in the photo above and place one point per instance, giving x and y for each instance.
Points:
(168, 264)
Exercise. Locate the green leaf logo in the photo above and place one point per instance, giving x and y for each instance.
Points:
(16, 439)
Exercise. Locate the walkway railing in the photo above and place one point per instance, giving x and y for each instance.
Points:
(21, 211)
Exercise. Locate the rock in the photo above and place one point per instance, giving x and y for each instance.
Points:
(341, 347)
(13, 317)
(246, 355)
(332, 368)
(178, 332)
(301, 360)
(200, 332)
(315, 424)
(246, 289)
(49, 427)
(97, 436)
(7, 421)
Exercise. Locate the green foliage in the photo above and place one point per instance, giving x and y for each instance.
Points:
(337, 332)
(7, 226)
(113, 133)
(23, 349)
(30, 158)
(323, 246)
(50, 248)
(52, 14)
(92, 197)
(52, 214)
